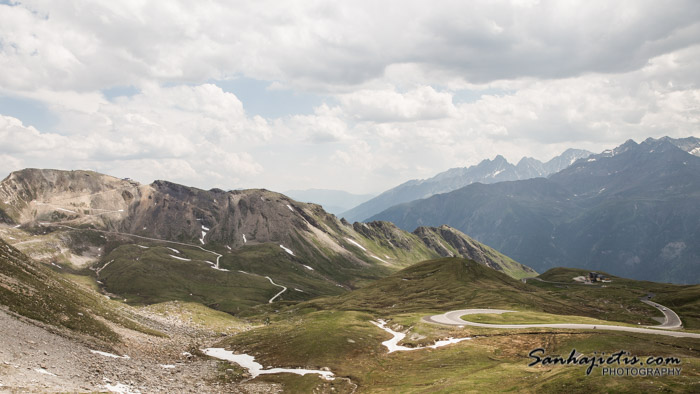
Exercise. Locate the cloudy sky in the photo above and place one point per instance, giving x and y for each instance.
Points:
(356, 95)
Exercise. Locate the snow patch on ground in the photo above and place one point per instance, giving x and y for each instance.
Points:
(307, 267)
(121, 388)
(591, 159)
(179, 258)
(228, 247)
(109, 354)
(393, 346)
(167, 366)
(255, 369)
(43, 371)
(65, 210)
(290, 207)
(287, 250)
(103, 267)
(299, 290)
(355, 243)
(142, 247)
(244, 241)
(382, 260)
(174, 250)
(204, 234)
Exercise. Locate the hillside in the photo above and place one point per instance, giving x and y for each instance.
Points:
(30, 289)
(229, 250)
(488, 171)
(447, 283)
(631, 211)
(337, 333)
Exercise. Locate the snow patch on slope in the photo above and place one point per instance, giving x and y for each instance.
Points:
(355, 243)
(380, 259)
(105, 354)
(393, 346)
(255, 369)
(287, 250)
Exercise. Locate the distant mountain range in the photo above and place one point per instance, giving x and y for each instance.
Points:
(488, 171)
(632, 211)
(333, 201)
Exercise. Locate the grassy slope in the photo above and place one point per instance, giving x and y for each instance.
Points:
(34, 291)
(531, 318)
(348, 344)
(147, 276)
(685, 302)
(619, 300)
(451, 283)
(336, 333)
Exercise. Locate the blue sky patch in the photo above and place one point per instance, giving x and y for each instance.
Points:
(30, 112)
(119, 91)
(259, 99)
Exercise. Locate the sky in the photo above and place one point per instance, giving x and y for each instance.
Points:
(357, 96)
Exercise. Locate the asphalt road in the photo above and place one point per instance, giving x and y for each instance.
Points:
(671, 319)
(453, 318)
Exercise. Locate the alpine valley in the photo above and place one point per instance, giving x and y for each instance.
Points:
(107, 284)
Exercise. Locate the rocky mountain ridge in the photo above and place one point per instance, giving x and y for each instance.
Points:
(159, 242)
(631, 211)
(487, 171)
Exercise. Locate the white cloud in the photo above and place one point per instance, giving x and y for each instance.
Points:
(388, 105)
(544, 76)
(196, 134)
(91, 45)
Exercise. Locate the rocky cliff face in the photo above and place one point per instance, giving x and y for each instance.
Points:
(450, 242)
(35, 195)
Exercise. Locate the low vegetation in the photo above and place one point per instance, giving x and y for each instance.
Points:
(32, 290)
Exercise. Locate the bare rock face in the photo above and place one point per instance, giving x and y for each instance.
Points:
(52, 195)
(167, 211)
(450, 242)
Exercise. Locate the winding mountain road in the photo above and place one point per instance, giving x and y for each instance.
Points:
(672, 321)
(278, 294)
(218, 256)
